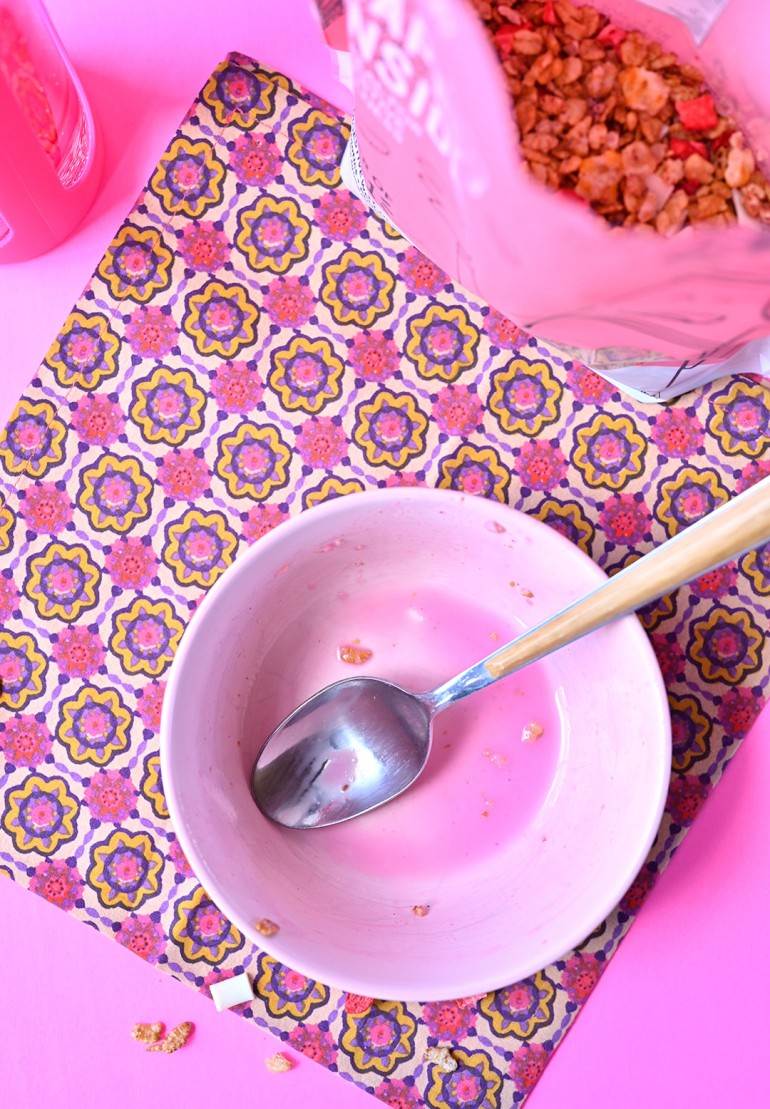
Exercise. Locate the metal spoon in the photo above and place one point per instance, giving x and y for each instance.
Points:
(361, 742)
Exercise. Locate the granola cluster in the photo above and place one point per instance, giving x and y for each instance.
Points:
(611, 117)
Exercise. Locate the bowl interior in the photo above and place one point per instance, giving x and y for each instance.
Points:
(519, 849)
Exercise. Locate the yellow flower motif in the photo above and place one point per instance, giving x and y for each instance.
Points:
(609, 451)
(202, 931)
(62, 582)
(741, 419)
(273, 234)
(502, 1008)
(115, 493)
(357, 288)
(316, 148)
(442, 342)
(33, 439)
(240, 94)
(286, 992)
(189, 178)
(570, 520)
(40, 815)
(476, 1074)
(152, 786)
(220, 319)
(199, 547)
(332, 487)
(306, 374)
(94, 726)
(687, 497)
(23, 667)
(387, 1022)
(525, 396)
(477, 470)
(137, 265)
(85, 353)
(168, 406)
(146, 636)
(726, 646)
(7, 521)
(390, 429)
(756, 566)
(699, 732)
(125, 870)
(253, 462)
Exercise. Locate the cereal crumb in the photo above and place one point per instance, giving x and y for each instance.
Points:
(278, 1063)
(441, 1057)
(526, 593)
(266, 927)
(494, 636)
(357, 1004)
(147, 1033)
(348, 652)
(421, 910)
(532, 732)
(176, 1038)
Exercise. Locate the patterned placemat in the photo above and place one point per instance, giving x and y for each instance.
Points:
(252, 343)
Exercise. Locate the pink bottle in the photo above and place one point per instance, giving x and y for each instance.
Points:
(50, 158)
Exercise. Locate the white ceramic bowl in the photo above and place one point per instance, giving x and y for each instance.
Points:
(518, 849)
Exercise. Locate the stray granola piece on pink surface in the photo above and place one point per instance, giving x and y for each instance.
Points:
(532, 732)
(278, 1063)
(421, 910)
(147, 1033)
(176, 1038)
(349, 652)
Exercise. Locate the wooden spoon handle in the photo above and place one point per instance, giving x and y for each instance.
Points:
(731, 530)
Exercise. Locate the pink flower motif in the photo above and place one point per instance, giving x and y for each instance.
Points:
(716, 582)
(131, 563)
(527, 1064)
(149, 704)
(151, 332)
(589, 387)
(143, 936)
(753, 473)
(288, 303)
(676, 433)
(420, 275)
(447, 1020)
(686, 796)
(402, 479)
(183, 475)
(625, 519)
(25, 741)
(340, 215)
(203, 247)
(179, 859)
(540, 465)
(640, 887)
(57, 882)
(321, 443)
(313, 1041)
(397, 1095)
(97, 419)
(110, 796)
(8, 596)
(457, 410)
(580, 975)
(237, 387)
(501, 331)
(373, 356)
(670, 657)
(262, 518)
(739, 710)
(78, 652)
(255, 160)
(46, 508)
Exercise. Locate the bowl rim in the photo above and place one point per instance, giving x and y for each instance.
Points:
(274, 946)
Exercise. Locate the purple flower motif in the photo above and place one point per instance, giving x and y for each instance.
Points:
(315, 1042)
(447, 1020)
(540, 465)
(237, 387)
(625, 520)
(420, 275)
(78, 652)
(676, 433)
(289, 303)
(151, 333)
(581, 973)
(322, 443)
(149, 704)
(738, 711)
(340, 216)
(179, 859)
(143, 936)
(131, 563)
(9, 595)
(98, 420)
(262, 518)
(46, 508)
(183, 475)
(686, 796)
(374, 356)
(457, 411)
(255, 160)
(589, 387)
(527, 1064)
(716, 582)
(752, 473)
(322, 143)
(25, 741)
(670, 657)
(57, 882)
(502, 333)
(109, 796)
(397, 1095)
(204, 247)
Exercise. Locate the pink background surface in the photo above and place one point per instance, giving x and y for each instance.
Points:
(680, 1016)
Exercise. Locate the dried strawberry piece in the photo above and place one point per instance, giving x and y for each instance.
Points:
(699, 114)
(723, 139)
(690, 186)
(683, 148)
(610, 35)
(549, 15)
(356, 1004)
(504, 38)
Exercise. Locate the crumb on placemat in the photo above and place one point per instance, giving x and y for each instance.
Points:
(278, 1063)
(176, 1038)
(266, 927)
(441, 1058)
(147, 1033)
